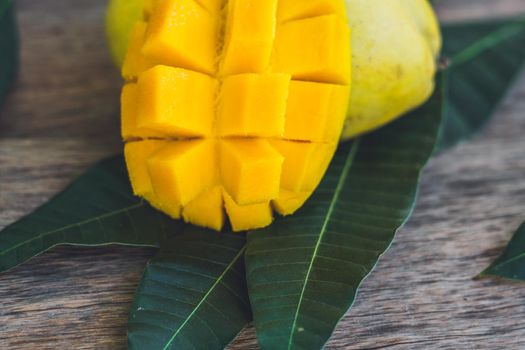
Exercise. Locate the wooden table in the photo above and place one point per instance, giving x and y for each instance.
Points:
(63, 117)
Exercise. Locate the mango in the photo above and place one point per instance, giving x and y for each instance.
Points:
(228, 111)
(240, 104)
(394, 47)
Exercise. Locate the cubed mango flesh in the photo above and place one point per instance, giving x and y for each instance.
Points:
(170, 38)
(168, 104)
(135, 62)
(137, 155)
(313, 109)
(250, 33)
(314, 49)
(233, 108)
(210, 202)
(247, 217)
(253, 105)
(294, 9)
(304, 163)
(182, 170)
(289, 202)
(250, 170)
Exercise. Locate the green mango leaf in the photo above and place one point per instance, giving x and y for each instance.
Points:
(303, 272)
(8, 46)
(193, 293)
(97, 209)
(511, 264)
(485, 58)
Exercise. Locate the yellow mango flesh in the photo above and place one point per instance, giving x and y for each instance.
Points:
(170, 37)
(253, 105)
(394, 47)
(289, 202)
(247, 217)
(209, 202)
(167, 103)
(250, 32)
(232, 108)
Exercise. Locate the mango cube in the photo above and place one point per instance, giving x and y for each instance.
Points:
(250, 170)
(314, 49)
(137, 154)
(304, 164)
(182, 170)
(294, 9)
(135, 62)
(247, 217)
(207, 210)
(213, 6)
(289, 202)
(128, 111)
(167, 103)
(250, 35)
(181, 33)
(253, 105)
(315, 111)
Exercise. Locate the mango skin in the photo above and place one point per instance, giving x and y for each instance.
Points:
(394, 49)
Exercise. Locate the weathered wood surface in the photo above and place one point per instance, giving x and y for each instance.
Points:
(62, 117)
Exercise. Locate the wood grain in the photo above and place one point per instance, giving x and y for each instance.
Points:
(63, 116)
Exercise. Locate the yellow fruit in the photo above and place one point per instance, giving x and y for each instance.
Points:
(394, 47)
(393, 70)
(230, 112)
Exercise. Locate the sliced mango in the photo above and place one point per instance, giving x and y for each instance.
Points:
(128, 111)
(167, 104)
(314, 49)
(250, 34)
(137, 155)
(248, 217)
(235, 107)
(182, 170)
(213, 6)
(253, 105)
(294, 9)
(135, 62)
(211, 203)
(170, 38)
(250, 170)
(315, 111)
(289, 202)
(304, 164)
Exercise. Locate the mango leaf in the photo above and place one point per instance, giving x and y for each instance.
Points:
(511, 264)
(303, 272)
(193, 293)
(96, 209)
(486, 58)
(8, 46)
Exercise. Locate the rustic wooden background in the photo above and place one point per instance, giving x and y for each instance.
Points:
(63, 116)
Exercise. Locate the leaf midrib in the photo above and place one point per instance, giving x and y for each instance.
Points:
(205, 297)
(488, 42)
(509, 261)
(348, 164)
(63, 228)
